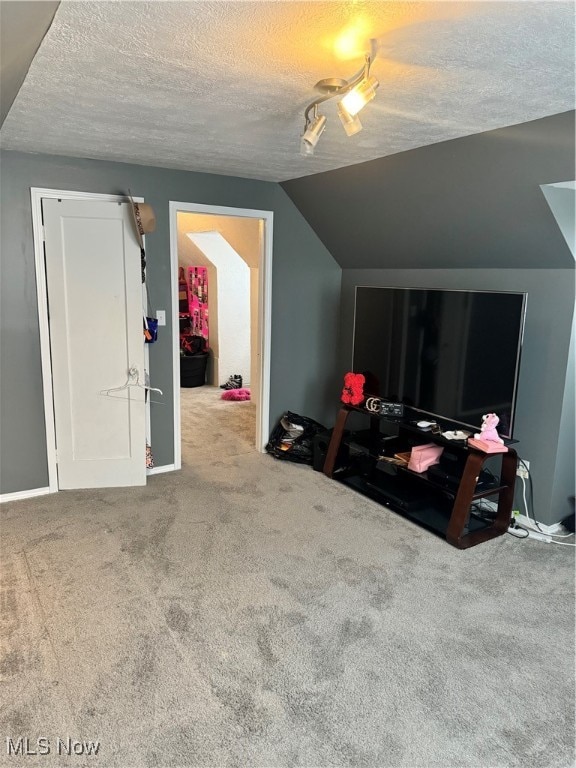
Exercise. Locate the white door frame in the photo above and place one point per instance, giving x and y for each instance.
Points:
(36, 195)
(264, 314)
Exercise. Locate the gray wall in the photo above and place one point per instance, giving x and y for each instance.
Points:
(565, 474)
(305, 299)
(471, 214)
(470, 202)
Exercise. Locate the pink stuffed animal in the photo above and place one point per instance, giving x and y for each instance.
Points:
(488, 429)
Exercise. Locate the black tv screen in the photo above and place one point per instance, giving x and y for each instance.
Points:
(452, 355)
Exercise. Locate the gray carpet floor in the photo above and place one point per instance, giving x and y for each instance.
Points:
(250, 612)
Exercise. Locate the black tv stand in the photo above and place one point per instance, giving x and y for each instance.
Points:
(359, 460)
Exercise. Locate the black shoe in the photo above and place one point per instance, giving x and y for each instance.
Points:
(234, 382)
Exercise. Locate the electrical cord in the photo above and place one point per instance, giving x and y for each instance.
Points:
(518, 528)
(489, 515)
(532, 518)
(483, 512)
(535, 523)
(514, 528)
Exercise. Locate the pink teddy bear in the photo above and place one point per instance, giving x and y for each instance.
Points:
(488, 429)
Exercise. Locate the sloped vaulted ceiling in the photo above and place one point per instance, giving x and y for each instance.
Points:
(474, 202)
(22, 27)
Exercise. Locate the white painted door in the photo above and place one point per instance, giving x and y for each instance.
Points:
(95, 311)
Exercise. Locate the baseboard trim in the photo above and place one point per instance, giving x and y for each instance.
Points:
(548, 529)
(19, 495)
(160, 470)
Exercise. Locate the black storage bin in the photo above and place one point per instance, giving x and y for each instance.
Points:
(193, 370)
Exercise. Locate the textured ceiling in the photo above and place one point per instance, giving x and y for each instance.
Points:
(221, 86)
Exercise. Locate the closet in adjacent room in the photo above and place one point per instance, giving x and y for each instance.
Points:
(193, 318)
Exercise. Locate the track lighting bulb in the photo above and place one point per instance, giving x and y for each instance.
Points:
(312, 134)
(350, 122)
(360, 95)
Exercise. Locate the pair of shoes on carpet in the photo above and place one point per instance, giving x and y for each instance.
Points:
(234, 382)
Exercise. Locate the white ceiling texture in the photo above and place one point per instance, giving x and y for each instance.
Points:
(221, 87)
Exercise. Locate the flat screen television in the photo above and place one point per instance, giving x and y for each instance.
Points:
(447, 354)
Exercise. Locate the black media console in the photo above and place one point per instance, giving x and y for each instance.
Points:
(441, 499)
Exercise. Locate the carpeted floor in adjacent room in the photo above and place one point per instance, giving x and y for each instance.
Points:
(214, 428)
(248, 612)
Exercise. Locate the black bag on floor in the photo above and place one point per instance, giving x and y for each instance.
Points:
(293, 438)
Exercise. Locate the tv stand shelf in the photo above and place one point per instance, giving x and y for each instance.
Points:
(355, 460)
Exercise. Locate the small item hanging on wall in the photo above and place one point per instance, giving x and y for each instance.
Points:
(149, 457)
(150, 329)
(144, 223)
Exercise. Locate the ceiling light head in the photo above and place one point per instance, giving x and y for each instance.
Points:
(350, 122)
(313, 131)
(360, 95)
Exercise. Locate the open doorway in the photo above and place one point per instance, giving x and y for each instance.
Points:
(221, 277)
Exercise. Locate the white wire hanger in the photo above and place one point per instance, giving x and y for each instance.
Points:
(133, 380)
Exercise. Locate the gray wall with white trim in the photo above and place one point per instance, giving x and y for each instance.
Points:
(305, 299)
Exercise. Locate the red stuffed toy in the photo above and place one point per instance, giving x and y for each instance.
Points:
(353, 392)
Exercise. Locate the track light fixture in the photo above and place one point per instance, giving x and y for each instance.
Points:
(313, 131)
(355, 92)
